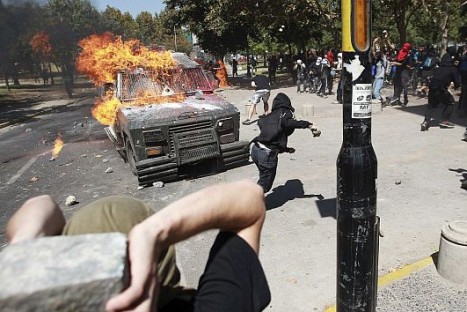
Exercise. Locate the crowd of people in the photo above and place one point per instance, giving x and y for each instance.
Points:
(238, 209)
(409, 70)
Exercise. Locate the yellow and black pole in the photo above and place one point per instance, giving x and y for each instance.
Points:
(357, 223)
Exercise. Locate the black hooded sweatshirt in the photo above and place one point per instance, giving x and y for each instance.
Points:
(282, 111)
(445, 74)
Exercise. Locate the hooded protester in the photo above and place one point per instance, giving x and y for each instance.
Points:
(275, 129)
(315, 75)
(403, 66)
(404, 52)
(442, 78)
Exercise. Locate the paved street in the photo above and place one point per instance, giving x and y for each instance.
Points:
(419, 178)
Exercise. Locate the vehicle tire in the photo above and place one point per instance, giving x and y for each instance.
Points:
(130, 158)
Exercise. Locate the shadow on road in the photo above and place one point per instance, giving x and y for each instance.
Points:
(463, 173)
(421, 109)
(290, 190)
(37, 100)
(282, 81)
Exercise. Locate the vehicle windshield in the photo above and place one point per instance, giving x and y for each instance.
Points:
(142, 83)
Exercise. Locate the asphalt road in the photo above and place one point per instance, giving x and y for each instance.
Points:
(419, 176)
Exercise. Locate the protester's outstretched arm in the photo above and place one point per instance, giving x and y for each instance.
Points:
(237, 207)
(38, 216)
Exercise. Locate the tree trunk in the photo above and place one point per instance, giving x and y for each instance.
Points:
(445, 29)
(68, 82)
(52, 81)
(7, 84)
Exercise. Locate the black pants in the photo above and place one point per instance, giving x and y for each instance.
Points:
(463, 97)
(401, 85)
(435, 97)
(300, 83)
(233, 280)
(266, 161)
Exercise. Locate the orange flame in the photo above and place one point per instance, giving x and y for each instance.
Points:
(40, 43)
(105, 109)
(58, 145)
(221, 74)
(102, 56)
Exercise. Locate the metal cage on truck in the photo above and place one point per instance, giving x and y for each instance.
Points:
(161, 140)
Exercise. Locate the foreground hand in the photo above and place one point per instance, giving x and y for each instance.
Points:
(140, 295)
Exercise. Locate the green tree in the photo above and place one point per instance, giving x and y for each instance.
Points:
(68, 22)
(111, 20)
(16, 22)
(146, 27)
(443, 14)
(220, 26)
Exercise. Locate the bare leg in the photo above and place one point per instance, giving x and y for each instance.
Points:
(252, 112)
(266, 108)
(38, 216)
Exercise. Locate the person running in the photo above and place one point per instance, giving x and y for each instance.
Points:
(401, 76)
(262, 92)
(272, 140)
(442, 78)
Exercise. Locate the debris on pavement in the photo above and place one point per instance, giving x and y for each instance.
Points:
(70, 200)
(158, 184)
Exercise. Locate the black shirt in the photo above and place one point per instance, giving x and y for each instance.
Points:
(262, 82)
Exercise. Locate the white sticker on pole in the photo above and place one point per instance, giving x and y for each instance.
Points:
(361, 101)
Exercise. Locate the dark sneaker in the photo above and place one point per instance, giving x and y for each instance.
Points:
(246, 122)
(446, 124)
(424, 126)
(405, 103)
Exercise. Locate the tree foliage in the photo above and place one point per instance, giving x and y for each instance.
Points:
(221, 27)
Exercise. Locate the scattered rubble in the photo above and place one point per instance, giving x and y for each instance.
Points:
(158, 184)
(70, 200)
(109, 170)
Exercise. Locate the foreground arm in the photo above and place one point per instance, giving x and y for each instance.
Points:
(38, 216)
(237, 207)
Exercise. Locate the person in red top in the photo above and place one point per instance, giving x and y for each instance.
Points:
(403, 65)
(330, 56)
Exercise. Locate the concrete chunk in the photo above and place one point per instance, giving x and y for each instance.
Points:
(63, 273)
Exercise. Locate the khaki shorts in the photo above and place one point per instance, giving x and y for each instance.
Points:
(121, 214)
(260, 94)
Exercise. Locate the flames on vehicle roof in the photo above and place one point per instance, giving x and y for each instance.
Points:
(143, 75)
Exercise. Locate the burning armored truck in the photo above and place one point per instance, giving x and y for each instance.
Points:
(181, 125)
(160, 109)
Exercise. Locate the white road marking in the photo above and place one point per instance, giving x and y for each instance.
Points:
(22, 170)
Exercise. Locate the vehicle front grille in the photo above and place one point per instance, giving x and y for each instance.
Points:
(227, 138)
(193, 154)
(193, 142)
